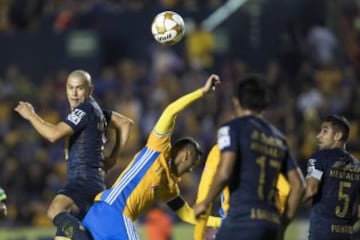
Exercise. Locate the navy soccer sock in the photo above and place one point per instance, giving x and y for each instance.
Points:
(70, 226)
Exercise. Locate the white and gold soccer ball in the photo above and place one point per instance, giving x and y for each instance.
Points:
(168, 28)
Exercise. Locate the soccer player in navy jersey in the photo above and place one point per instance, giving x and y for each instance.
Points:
(85, 129)
(253, 154)
(333, 183)
(152, 175)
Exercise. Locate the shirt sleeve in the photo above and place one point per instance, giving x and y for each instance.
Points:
(315, 167)
(78, 118)
(227, 138)
(166, 121)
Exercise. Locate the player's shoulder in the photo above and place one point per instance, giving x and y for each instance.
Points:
(90, 105)
(323, 155)
(224, 128)
(235, 123)
(331, 152)
(276, 132)
(158, 142)
(267, 127)
(86, 105)
(320, 154)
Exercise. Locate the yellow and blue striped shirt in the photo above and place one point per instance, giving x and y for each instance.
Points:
(148, 177)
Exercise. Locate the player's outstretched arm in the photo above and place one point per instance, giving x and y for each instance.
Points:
(167, 118)
(186, 213)
(49, 131)
(122, 126)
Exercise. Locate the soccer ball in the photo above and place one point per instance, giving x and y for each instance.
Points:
(168, 28)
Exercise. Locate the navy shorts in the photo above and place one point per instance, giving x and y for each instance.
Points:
(322, 228)
(82, 194)
(329, 236)
(247, 229)
(325, 235)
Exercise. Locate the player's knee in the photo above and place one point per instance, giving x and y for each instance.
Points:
(58, 205)
(51, 213)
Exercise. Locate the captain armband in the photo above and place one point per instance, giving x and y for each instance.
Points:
(176, 203)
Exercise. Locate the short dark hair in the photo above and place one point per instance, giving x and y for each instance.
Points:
(252, 92)
(341, 123)
(184, 143)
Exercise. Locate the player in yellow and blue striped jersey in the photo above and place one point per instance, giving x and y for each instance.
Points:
(152, 175)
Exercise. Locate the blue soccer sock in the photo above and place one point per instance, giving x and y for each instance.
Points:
(70, 226)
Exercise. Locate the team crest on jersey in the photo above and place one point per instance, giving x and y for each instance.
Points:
(223, 136)
(76, 116)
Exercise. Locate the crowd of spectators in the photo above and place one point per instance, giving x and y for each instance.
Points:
(32, 170)
(19, 15)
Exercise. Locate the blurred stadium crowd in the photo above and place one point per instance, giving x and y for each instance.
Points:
(311, 78)
(25, 14)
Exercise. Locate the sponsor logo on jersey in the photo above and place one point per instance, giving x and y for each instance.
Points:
(224, 137)
(76, 116)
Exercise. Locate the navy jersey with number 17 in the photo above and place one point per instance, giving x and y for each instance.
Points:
(262, 153)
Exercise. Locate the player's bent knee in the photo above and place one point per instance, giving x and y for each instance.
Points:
(52, 212)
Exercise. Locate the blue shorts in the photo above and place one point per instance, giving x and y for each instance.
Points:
(82, 194)
(104, 222)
